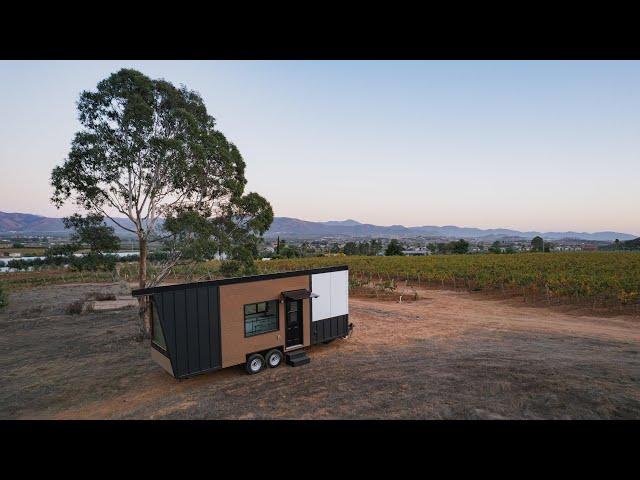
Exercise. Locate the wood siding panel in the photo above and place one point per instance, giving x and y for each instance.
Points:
(235, 346)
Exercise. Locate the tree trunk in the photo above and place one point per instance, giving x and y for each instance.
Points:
(143, 302)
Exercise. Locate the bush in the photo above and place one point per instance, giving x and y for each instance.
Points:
(93, 262)
(76, 308)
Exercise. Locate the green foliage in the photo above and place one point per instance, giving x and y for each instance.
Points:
(65, 250)
(93, 262)
(236, 268)
(393, 249)
(537, 244)
(362, 248)
(495, 247)
(18, 245)
(610, 278)
(92, 231)
(623, 246)
(461, 246)
(351, 248)
(149, 150)
(289, 251)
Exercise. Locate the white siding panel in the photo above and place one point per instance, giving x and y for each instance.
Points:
(339, 293)
(321, 306)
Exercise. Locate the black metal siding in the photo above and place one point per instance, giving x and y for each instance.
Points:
(329, 328)
(191, 323)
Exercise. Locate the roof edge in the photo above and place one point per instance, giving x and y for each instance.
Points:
(142, 292)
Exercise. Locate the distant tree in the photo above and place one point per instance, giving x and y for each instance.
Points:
(393, 248)
(65, 250)
(537, 244)
(350, 248)
(93, 232)
(18, 245)
(461, 246)
(335, 248)
(290, 251)
(375, 247)
(495, 247)
(149, 151)
(90, 231)
(616, 244)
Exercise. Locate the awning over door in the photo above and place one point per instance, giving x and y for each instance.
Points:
(298, 294)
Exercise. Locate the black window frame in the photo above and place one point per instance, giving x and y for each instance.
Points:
(154, 311)
(244, 317)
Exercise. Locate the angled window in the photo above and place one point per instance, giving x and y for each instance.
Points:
(157, 335)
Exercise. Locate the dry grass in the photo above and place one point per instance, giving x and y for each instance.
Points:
(445, 355)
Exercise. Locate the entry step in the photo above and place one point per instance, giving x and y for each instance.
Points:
(297, 358)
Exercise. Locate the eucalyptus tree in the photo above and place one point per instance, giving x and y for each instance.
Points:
(149, 152)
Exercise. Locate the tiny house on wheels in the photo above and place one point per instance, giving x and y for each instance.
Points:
(256, 320)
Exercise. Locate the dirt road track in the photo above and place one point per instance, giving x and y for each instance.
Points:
(447, 355)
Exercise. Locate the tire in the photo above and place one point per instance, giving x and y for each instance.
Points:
(255, 364)
(274, 358)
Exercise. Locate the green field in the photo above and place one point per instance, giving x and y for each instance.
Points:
(598, 279)
(603, 279)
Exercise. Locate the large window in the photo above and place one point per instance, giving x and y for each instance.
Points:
(260, 318)
(156, 329)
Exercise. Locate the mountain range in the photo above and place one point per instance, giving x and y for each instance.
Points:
(285, 226)
(25, 223)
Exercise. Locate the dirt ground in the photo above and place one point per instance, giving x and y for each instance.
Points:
(448, 355)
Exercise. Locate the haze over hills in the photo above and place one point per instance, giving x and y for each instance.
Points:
(294, 227)
(25, 223)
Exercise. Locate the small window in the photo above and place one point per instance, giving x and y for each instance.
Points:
(260, 318)
(156, 329)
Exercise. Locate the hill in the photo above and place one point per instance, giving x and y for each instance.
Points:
(25, 223)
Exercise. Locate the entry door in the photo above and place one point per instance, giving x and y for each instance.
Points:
(294, 323)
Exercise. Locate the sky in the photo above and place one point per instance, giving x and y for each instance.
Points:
(547, 146)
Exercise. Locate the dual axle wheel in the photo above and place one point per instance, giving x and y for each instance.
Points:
(256, 362)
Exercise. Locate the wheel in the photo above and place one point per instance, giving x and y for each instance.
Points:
(274, 358)
(255, 363)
